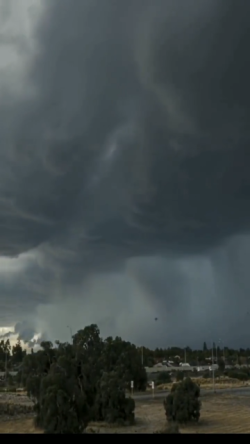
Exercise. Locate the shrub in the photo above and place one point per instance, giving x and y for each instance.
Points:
(245, 370)
(207, 374)
(179, 376)
(236, 374)
(183, 404)
(163, 378)
(111, 404)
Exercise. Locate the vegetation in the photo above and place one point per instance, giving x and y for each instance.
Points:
(242, 374)
(207, 374)
(180, 375)
(163, 378)
(73, 384)
(183, 405)
(221, 365)
(16, 354)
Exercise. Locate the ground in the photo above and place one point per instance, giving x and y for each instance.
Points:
(220, 413)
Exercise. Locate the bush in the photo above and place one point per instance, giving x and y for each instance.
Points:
(207, 374)
(179, 376)
(242, 376)
(111, 404)
(245, 370)
(183, 405)
(163, 378)
(8, 389)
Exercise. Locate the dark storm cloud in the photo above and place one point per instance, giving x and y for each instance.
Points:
(88, 81)
(129, 138)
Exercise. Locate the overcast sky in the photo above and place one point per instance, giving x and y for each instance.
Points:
(124, 169)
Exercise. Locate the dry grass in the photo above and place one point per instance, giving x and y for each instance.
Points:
(220, 383)
(223, 414)
(25, 425)
(220, 414)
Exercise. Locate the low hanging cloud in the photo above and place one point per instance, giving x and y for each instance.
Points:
(124, 168)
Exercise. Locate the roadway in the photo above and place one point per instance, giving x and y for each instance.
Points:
(245, 391)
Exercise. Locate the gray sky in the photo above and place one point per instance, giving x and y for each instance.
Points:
(124, 169)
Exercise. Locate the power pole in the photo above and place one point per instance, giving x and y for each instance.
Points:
(6, 369)
(71, 336)
(213, 366)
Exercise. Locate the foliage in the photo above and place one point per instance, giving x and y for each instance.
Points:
(18, 353)
(62, 407)
(163, 378)
(125, 358)
(81, 382)
(179, 375)
(111, 402)
(183, 404)
(207, 374)
(238, 374)
(221, 365)
(5, 350)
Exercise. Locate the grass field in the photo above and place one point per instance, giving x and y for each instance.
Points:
(219, 414)
(220, 383)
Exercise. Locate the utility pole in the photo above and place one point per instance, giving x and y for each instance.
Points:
(71, 336)
(213, 366)
(6, 369)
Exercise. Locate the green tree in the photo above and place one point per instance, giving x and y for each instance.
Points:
(17, 353)
(204, 346)
(183, 404)
(125, 359)
(63, 406)
(73, 384)
(111, 403)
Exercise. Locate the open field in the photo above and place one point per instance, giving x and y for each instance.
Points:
(219, 414)
(220, 383)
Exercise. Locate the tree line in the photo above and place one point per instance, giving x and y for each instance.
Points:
(12, 356)
(73, 384)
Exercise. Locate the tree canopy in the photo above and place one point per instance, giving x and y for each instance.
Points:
(72, 384)
(183, 404)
